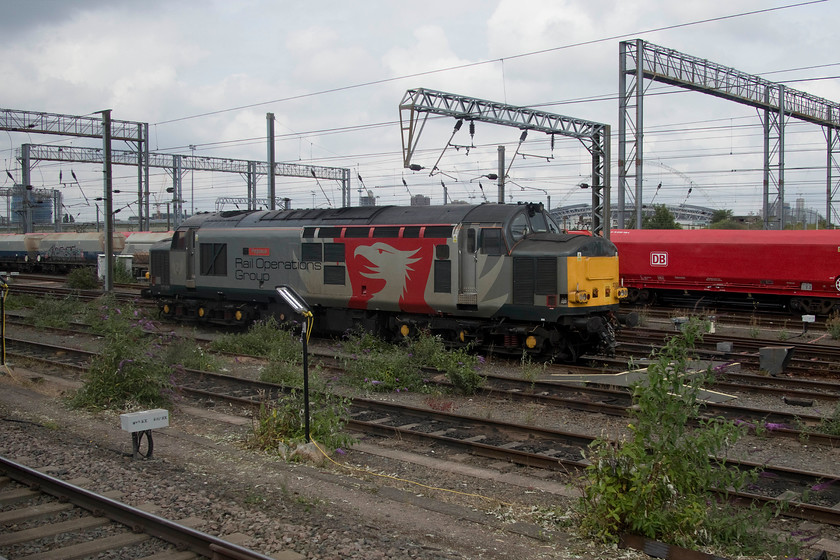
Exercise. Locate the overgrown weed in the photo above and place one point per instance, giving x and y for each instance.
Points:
(660, 480)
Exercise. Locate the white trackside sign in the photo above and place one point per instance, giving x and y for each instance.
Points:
(144, 420)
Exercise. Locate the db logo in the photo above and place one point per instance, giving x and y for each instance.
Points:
(659, 259)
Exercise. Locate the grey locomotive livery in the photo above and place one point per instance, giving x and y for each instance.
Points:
(495, 275)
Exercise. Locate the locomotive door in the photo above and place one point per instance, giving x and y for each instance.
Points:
(190, 247)
(468, 263)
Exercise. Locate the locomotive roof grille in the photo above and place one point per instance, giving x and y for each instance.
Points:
(364, 215)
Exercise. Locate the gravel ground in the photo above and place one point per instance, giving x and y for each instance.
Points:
(345, 509)
(199, 468)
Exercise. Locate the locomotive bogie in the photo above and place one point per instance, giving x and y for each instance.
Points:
(462, 272)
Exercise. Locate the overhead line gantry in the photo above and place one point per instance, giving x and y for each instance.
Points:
(640, 60)
(177, 165)
(418, 104)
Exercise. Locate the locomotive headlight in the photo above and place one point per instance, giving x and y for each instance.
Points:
(581, 296)
(621, 292)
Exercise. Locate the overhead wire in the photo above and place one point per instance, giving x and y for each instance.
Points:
(491, 61)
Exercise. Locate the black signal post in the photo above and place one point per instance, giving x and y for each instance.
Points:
(299, 306)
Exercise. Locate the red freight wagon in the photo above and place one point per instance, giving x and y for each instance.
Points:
(796, 268)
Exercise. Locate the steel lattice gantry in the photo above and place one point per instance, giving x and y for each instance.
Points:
(775, 102)
(177, 165)
(418, 104)
(88, 127)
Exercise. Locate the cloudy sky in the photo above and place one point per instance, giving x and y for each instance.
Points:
(205, 73)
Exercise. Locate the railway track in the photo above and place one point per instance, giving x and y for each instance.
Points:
(591, 396)
(45, 518)
(525, 445)
(808, 359)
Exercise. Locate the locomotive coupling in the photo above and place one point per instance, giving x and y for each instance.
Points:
(589, 324)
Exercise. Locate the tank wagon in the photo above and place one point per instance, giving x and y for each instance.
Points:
(798, 269)
(489, 274)
(138, 244)
(19, 251)
(62, 252)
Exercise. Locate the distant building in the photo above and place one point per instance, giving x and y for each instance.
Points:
(40, 203)
(368, 200)
(420, 200)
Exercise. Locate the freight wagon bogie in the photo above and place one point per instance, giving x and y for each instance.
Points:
(495, 275)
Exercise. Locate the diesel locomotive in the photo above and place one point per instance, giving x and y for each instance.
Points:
(495, 275)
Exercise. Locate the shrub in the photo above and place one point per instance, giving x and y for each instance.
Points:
(54, 312)
(282, 421)
(263, 338)
(658, 481)
(83, 278)
(382, 366)
(832, 324)
(122, 274)
(134, 369)
(461, 368)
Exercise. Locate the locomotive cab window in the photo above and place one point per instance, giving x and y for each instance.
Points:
(538, 222)
(491, 241)
(519, 227)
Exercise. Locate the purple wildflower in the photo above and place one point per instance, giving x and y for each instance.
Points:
(822, 485)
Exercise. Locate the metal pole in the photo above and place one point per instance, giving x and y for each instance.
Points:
(25, 169)
(109, 216)
(269, 117)
(305, 380)
(146, 149)
(501, 174)
(192, 181)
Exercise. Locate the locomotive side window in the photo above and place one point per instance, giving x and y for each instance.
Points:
(308, 232)
(334, 275)
(491, 241)
(471, 241)
(212, 259)
(334, 252)
(411, 231)
(310, 252)
(442, 252)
